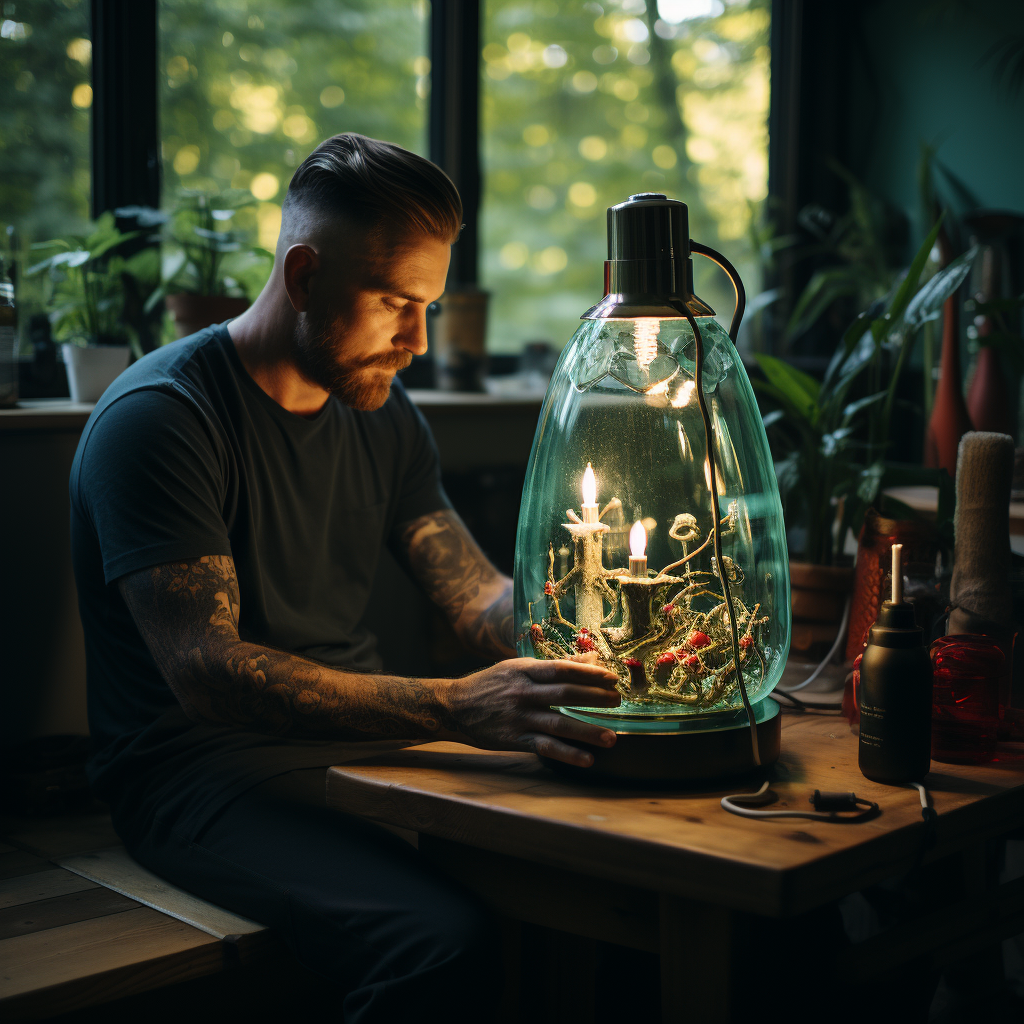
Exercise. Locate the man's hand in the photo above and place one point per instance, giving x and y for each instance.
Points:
(188, 614)
(508, 707)
(458, 577)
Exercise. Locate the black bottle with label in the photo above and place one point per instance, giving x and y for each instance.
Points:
(895, 694)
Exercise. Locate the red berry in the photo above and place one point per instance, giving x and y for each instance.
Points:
(668, 609)
(668, 658)
(536, 632)
(548, 588)
(745, 642)
(692, 662)
(632, 663)
(584, 644)
(583, 631)
(698, 639)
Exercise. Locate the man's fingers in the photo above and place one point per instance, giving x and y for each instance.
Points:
(565, 670)
(575, 696)
(548, 746)
(554, 724)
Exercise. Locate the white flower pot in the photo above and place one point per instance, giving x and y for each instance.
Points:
(91, 370)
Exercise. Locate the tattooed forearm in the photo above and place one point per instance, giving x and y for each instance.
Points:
(188, 613)
(458, 577)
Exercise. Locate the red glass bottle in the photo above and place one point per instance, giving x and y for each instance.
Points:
(965, 698)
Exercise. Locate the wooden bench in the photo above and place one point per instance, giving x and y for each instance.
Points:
(81, 924)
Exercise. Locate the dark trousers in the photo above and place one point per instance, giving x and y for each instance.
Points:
(353, 902)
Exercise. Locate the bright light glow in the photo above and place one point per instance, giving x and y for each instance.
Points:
(589, 486)
(637, 540)
(555, 56)
(682, 396)
(676, 11)
(707, 473)
(645, 340)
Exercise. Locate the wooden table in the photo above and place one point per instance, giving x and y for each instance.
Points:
(669, 872)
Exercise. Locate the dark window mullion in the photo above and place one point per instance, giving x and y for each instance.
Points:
(454, 125)
(125, 140)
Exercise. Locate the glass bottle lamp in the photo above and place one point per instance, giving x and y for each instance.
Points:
(674, 570)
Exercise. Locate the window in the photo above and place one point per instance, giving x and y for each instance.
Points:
(45, 56)
(581, 107)
(247, 90)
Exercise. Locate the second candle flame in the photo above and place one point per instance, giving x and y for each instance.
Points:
(589, 486)
(637, 540)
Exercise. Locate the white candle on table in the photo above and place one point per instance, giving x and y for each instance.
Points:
(897, 574)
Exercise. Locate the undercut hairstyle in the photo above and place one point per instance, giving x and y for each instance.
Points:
(380, 188)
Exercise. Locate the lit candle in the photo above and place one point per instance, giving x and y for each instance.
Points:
(589, 495)
(587, 535)
(637, 549)
(897, 574)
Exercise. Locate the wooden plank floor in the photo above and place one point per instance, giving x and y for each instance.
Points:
(67, 943)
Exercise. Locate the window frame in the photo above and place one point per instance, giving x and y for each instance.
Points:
(125, 158)
(126, 167)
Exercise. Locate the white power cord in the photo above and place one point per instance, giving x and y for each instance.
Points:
(827, 806)
(828, 657)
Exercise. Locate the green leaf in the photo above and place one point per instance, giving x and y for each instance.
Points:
(927, 303)
(800, 389)
(822, 290)
(860, 404)
(869, 480)
(793, 415)
(908, 285)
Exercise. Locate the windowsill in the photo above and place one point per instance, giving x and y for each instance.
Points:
(63, 414)
(472, 431)
(46, 414)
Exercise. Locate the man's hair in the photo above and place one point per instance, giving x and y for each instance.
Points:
(379, 187)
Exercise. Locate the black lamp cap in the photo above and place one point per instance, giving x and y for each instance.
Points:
(648, 271)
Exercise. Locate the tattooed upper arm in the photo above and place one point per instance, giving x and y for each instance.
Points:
(459, 578)
(187, 613)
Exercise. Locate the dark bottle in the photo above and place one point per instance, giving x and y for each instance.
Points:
(895, 693)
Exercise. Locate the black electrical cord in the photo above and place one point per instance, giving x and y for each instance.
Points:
(734, 277)
(709, 435)
(799, 704)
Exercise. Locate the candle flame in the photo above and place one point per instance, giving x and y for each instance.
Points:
(637, 540)
(589, 486)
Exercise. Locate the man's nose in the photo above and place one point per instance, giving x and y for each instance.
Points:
(413, 335)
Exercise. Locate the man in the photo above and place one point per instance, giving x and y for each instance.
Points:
(229, 499)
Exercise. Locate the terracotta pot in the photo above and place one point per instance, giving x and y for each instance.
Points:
(194, 312)
(818, 597)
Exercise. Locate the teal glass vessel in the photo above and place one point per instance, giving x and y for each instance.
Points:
(616, 549)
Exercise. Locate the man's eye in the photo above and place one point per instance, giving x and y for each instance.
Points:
(393, 306)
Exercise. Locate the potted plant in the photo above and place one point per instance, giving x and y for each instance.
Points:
(834, 436)
(209, 272)
(88, 278)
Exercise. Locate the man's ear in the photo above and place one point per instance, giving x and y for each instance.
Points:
(301, 262)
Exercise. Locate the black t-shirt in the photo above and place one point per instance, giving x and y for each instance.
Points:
(184, 456)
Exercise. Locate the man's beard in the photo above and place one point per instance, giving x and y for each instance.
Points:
(362, 384)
